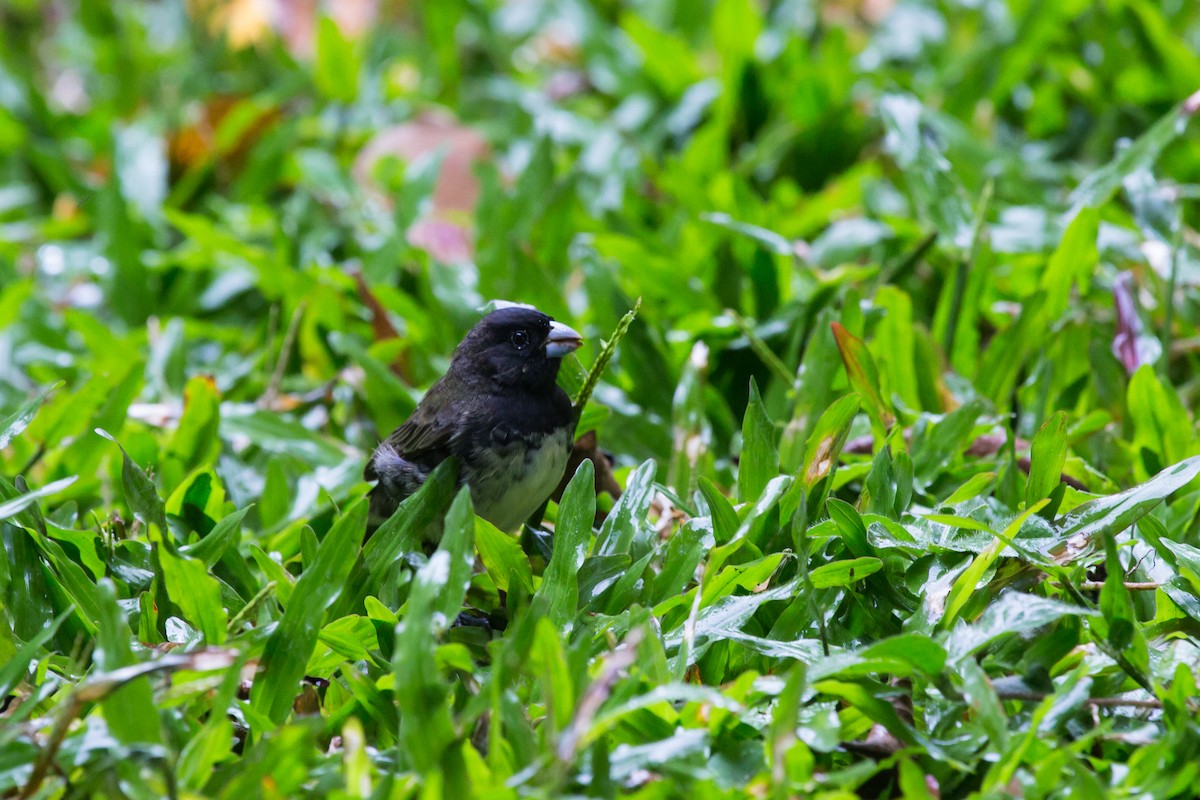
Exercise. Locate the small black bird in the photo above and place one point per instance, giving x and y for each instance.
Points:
(499, 410)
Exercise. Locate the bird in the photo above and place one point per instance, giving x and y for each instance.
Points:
(499, 410)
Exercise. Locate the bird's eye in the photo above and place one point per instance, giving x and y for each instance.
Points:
(519, 339)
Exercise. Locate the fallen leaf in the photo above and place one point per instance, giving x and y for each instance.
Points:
(587, 447)
(457, 188)
(203, 141)
(446, 241)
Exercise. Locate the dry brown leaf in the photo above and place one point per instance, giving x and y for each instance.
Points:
(442, 233)
(556, 43)
(587, 446)
(448, 242)
(457, 188)
(198, 143)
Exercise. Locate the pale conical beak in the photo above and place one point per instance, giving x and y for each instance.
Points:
(562, 340)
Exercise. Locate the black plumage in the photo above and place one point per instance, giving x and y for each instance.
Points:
(499, 410)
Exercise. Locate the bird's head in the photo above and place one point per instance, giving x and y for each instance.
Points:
(517, 347)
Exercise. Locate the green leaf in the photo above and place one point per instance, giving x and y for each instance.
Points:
(217, 541)
(1116, 604)
(921, 652)
(680, 558)
(12, 425)
(824, 447)
(674, 693)
(140, 493)
(736, 25)
(1098, 187)
(274, 573)
(197, 441)
(276, 433)
(967, 584)
(502, 557)
(1162, 428)
(863, 376)
(933, 447)
(844, 573)
(762, 349)
(667, 60)
(621, 595)
(932, 184)
(851, 526)
(71, 579)
(785, 718)
(1010, 614)
(627, 519)
(769, 239)
(23, 579)
(815, 381)
(691, 429)
(130, 711)
(196, 592)
(984, 702)
(548, 661)
(401, 533)
(426, 726)
(724, 519)
(210, 744)
(291, 644)
(598, 574)
(894, 346)
(21, 502)
(724, 620)
(458, 539)
(282, 762)
(757, 518)
(759, 460)
(876, 709)
(558, 595)
(13, 670)
(1073, 262)
(1109, 515)
(338, 62)
(1008, 351)
(1049, 455)
(972, 488)
(914, 784)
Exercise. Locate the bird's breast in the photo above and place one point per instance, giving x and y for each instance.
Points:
(511, 479)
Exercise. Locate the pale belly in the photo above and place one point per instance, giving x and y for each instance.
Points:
(510, 483)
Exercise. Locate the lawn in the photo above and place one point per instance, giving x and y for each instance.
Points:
(892, 484)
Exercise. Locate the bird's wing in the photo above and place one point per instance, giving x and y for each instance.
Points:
(426, 436)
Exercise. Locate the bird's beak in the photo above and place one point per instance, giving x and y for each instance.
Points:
(562, 340)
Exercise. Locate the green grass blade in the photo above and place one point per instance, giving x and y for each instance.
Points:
(558, 595)
(291, 644)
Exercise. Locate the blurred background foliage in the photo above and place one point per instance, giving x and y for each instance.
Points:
(933, 261)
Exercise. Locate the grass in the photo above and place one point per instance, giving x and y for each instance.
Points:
(906, 467)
